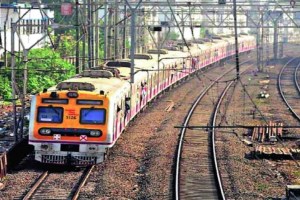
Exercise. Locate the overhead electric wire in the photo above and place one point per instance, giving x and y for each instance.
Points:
(181, 33)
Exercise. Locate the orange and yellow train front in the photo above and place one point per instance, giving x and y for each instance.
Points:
(69, 127)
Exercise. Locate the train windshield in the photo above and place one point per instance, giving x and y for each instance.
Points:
(50, 114)
(92, 116)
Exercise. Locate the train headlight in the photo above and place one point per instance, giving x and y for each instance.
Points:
(46, 147)
(95, 133)
(92, 148)
(45, 131)
(72, 94)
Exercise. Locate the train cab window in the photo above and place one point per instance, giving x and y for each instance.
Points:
(50, 114)
(92, 116)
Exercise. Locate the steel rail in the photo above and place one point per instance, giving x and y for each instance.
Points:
(281, 91)
(213, 140)
(183, 130)
(296, 77)
(36, 185)
(213, 123)
(83, 180)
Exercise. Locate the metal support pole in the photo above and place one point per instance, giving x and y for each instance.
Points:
(105, 31)
(13, 78)
(132, 45)
(116, 31)
(262, 43)
(258, 48)
(132, 33)
(25, 60)
(5, 46)
(124, 33)
(96, 37)
(90, 35)
(84, 37)
(275, 45)
(236, 41)
(5, 37)
(109, 36)
(77, 39)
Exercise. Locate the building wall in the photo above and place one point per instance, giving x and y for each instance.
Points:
(32, 27)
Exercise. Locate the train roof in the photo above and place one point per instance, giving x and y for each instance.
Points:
(106, 85)
(105, 80)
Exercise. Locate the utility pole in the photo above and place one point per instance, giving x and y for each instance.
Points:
(77, 39)
(116, 30)
(132, 33)
(124, 33)
(5, 46)
(105, 30)
(5, 38)
(258, 48)
(96, 36)
(275, 44)
(236, 41)
(84, 35)
(13, 78)
(262, 43)
(109, 36)
(90, 35)
(23, 100)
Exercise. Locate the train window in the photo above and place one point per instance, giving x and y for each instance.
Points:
(90, 102)
(118, 64)
(50, 114)
(55, 101)
(92, 116)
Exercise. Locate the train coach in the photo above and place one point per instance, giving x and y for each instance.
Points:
(77, 121)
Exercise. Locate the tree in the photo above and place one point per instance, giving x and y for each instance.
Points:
(5, 88)
(45, 68)
(172, 36)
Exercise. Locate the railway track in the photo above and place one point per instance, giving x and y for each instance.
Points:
(288, 86)
(197, 175)
(47, 186)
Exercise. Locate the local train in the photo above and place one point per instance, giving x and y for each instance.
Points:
(76, 121)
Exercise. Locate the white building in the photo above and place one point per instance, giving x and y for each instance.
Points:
(31, 27)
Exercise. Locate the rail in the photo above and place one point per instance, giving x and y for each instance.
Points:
(183, 131)
(281, 90)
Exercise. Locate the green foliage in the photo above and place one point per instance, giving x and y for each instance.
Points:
(66, 43)
(45, 69)
(5, 88)
(172, 36)
(202, 32)
(262, 187)
(296, 174)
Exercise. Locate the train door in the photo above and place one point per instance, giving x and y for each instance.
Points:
(137, 97)
(134, 99)
(150, 86)
(118, 118)
(166, 76)
(127, 107)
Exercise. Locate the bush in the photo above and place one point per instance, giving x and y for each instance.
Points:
(45, 69)
(5, 88)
